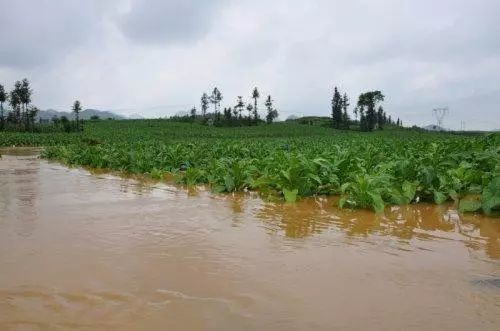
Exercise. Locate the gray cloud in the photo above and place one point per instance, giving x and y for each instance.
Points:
(119, 54)
(33, 33)
(167, 22)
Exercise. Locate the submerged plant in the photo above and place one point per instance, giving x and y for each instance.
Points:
(291, 161)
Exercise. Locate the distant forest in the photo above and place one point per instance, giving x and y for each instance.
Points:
(369, 113)
(22, 114)
(369, 109)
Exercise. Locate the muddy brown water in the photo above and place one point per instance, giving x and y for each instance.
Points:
(80, 251)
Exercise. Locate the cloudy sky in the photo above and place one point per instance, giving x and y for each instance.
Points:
(156, 57)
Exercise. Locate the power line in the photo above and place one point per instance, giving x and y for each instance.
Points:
(440, 113)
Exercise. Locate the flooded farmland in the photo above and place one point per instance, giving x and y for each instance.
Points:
(85, 251)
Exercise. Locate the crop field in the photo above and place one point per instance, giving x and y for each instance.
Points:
(289, 161)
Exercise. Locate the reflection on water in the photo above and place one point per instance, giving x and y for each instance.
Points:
(423, 221)
(97, 252)
(18, 194)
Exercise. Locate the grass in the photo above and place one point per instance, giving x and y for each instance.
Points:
(289, 160)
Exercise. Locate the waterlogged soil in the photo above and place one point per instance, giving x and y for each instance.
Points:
(80, 251)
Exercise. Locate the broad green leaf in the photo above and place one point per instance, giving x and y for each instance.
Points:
(344, 187)
(439, 197)
(290, 195)
(218, 188)
(342, 201)
(469, 205)
(315, 178)
(491, 196)
(453, 194)
(409, 190)
(377, 202)
(229, 182)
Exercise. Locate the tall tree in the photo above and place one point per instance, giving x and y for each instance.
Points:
(3, 98)
(216, 98)
(193, 113)
(240, 105)
(368, 101)
(25, 92)
(336, 109)
(271, 112)
(255, 97)
(77, 108)
(219, 99)
(15, 104)
(204, 105)
(345, 116)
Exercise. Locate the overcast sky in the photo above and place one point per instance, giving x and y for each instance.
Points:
(156, 57)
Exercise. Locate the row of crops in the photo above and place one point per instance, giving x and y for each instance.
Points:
(290, 161)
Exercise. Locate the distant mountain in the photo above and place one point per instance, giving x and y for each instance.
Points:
(135, 117)
(85, 114)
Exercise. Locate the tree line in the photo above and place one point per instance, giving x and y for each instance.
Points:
(21, 114)
(370, 116)
(240, 114)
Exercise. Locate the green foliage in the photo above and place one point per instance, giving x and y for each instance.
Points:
(469, 205)
(491, 196)
(366, 105)
(289, 160)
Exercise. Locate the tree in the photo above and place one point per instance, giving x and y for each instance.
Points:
(213, 99)
(240, 105)
(363, 126)
(255, 115)
(271, 112)
(25, 96)
(235, 113)
(15, 103)
(249, 109)
(345, 116)
(255, 96)
(3, 98)
(368, 101)
(77, 108)
(216, 98)
(336, 109)
(228, 114)
(380, 117)
(219, 98)
(32, 111)
(193, 113)
(204, 105)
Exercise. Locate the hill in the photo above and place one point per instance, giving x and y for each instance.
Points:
(85, 114)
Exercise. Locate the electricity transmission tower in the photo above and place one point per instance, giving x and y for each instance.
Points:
(440, 114)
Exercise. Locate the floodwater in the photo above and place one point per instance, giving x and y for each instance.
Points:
(80, 251)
